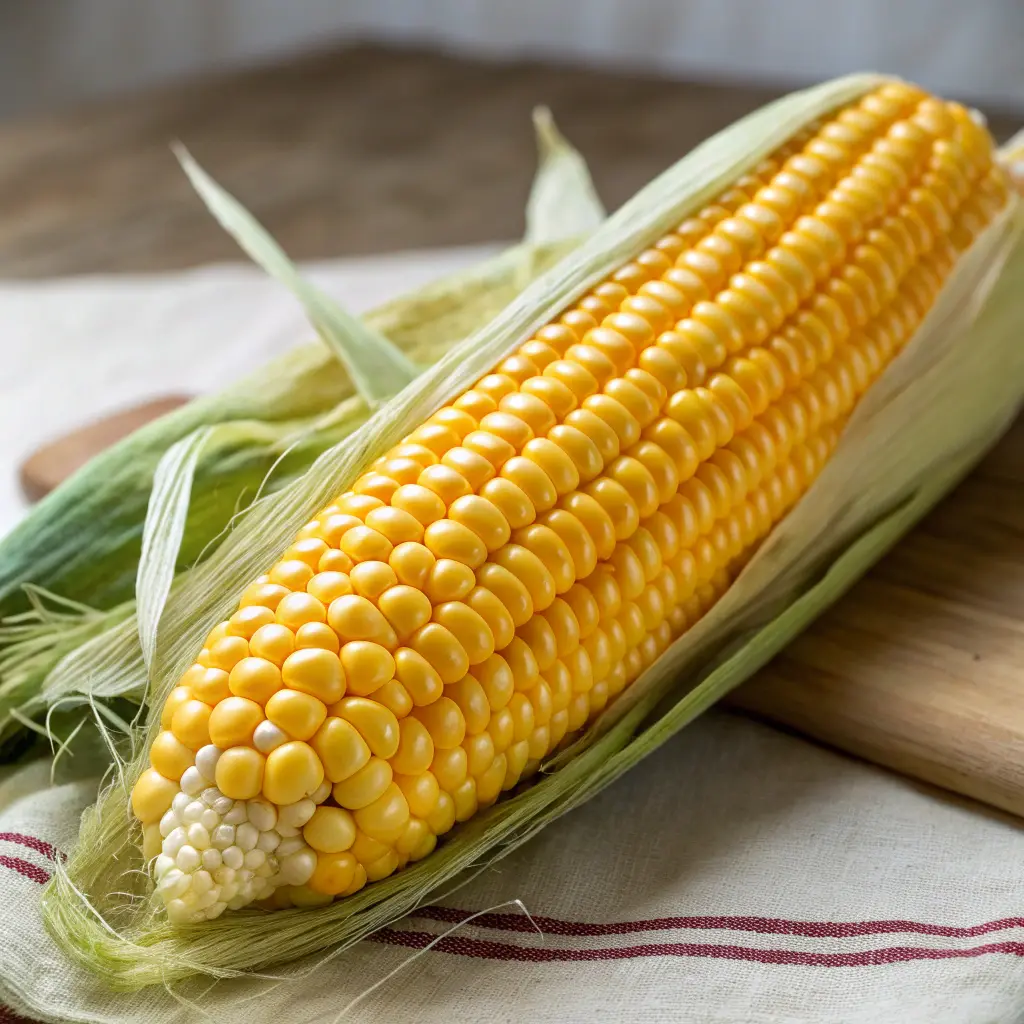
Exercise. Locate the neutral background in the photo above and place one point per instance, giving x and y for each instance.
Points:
(56, 52)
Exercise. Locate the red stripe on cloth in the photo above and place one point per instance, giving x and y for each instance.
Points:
(26, 868)
(32, 843)
(488, 950)
(762, 925)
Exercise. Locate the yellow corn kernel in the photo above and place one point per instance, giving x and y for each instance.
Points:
(468, 628)
(295, 713)
(152, 795)
(317, 634)
(297, 609)
(415, 748)
(328, 586)
(450, 767)
(406, 609)
(271, 643)
(178, 696)
(509, 590)
(418, 676)
(386, 817)
(364, 786)
(233, 721)
(367, 666)
(371, 579)
(316, 672)
(169, 756)
(465, 800)
(422, 792)
(444, 721)
(395, 697)
(448, 581)
(211, 685)
(246, 621)
(374, 722)
(480, 753)
(341, 748)
(240, 773)
(334, 873)
(293, 771)
(191, 723)
(330, 830)
(355, 618)
(367, 850)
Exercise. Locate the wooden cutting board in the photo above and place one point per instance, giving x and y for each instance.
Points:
(919, 668)
(55, 461)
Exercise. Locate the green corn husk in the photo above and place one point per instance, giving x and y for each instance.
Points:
(68, 571)
(935, 410)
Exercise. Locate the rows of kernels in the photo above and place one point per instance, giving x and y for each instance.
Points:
(612, 407)
(488, 587)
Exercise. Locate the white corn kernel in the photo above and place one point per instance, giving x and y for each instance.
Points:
(268, 842)
(192, 781)
(198, 837)
(246, 835)
(173, 884)
(268, 737)
(202, 882)
(297, 868)
(224, 876)
(188, 858)
(236, 815)
(206, 760)
(175, 840)
(255, 859)
(296, 814)
(162, 865)
(290, 845)
(223, 836)
(262, 814)
(178, 912)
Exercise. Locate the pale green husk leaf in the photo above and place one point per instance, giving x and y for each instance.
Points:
(377, 368)
(563, 202)
(162, 534)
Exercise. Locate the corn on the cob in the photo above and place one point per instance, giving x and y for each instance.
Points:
(493, 582)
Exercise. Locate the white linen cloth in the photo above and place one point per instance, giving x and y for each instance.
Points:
(738, 875)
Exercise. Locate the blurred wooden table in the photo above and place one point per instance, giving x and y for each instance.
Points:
(369, 151)
(349, 152)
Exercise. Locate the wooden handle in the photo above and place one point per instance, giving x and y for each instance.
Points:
(52, 464)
